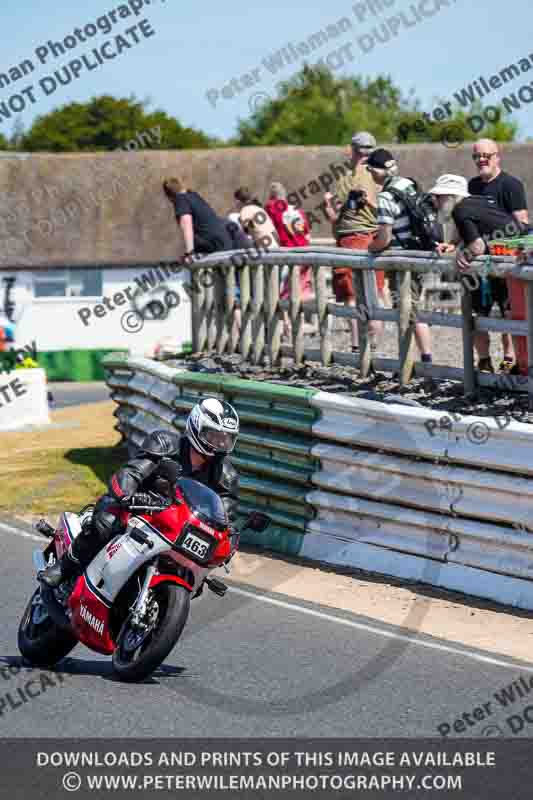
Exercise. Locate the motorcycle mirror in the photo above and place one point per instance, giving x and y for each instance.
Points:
(257, 522)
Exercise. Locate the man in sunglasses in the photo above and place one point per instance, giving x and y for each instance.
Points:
(508, 195)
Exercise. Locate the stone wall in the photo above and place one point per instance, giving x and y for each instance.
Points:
(110, 208)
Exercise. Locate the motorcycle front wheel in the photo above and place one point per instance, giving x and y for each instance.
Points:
(140, 650)
(40, 640)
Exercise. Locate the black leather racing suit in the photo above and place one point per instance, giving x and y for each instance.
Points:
(145, 472)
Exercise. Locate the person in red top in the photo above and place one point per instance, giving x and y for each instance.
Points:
(276, 206)
(293, 229)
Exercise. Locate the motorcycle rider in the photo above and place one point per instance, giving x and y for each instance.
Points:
(210, 435)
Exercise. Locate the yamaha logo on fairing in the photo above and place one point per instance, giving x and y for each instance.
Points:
(95, 623)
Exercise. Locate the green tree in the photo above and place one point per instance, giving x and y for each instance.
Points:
(461, 127)
(105, 123)
(316, 108)
(3, 142)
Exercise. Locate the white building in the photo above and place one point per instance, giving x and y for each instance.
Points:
(76, 316)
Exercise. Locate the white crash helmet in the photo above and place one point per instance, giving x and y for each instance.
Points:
(212, 427)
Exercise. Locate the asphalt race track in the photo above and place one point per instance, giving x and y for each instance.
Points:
(249, 665)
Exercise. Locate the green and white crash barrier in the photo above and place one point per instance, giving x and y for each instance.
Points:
(362, 484)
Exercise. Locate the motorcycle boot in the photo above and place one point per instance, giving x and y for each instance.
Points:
(67, 567)
(76, 558)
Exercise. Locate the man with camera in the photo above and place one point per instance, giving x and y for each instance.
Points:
(354, 224)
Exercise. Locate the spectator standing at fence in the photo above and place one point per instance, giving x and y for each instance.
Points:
(477, 220)
(276, 207)
(508, 194)
(354, 225)
(255, 221)
(394, 230)
(293, 230)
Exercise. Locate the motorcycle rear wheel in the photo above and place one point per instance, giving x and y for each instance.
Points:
(40, 640)
(138, 653)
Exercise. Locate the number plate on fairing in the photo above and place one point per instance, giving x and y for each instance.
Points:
(193, 544)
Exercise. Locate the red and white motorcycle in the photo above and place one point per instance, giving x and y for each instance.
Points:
(133, 600)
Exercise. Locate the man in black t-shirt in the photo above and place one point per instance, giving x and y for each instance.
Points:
(508, 195)
(203, 230)
(507, 191)
(477, 221)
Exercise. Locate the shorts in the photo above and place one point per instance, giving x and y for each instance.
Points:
(342, 276)
(482, 303)
(417, 286)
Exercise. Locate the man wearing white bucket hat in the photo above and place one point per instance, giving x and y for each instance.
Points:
(476, 220)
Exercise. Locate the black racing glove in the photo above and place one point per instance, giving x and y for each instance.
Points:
(141, 499)
(170, 469)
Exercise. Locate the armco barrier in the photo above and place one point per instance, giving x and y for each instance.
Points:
(361, 484)
(273, 454)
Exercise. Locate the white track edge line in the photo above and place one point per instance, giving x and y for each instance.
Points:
(389, 634)
(339, 620)
(19, 532)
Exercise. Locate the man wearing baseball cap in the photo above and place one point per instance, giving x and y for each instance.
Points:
(354, 224)
(476, 220)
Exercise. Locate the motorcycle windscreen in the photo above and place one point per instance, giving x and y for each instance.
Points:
(204, 503)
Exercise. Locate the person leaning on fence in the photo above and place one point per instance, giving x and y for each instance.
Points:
(477, 220)
(509, 195)
(203, 230)
(354, 225)
(394, 229)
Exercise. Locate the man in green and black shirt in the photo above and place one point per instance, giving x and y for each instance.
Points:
(354, 224)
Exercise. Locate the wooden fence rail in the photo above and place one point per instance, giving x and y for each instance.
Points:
(214, 308)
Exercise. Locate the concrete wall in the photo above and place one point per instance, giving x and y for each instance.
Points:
(110, 207)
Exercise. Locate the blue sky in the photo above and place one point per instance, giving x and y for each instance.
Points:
(202, 47)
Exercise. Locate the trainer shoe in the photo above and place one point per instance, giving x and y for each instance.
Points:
(485, 365)
(508, 367)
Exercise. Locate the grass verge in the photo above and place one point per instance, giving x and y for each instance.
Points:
(63, 467)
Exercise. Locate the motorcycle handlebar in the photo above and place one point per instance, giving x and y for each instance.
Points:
(146, 509)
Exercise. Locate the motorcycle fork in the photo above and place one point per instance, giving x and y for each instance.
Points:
(139, 607)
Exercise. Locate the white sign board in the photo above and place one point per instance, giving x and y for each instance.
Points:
(23, 399)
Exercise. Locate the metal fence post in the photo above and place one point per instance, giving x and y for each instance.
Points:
(211, 311)
(469, 379)
(297, 317)
(246, 312)
(198, 313)
(319, 275)
(406, 329)
(530, 344)
(273, 321)
(220, 302)
(258, 322)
